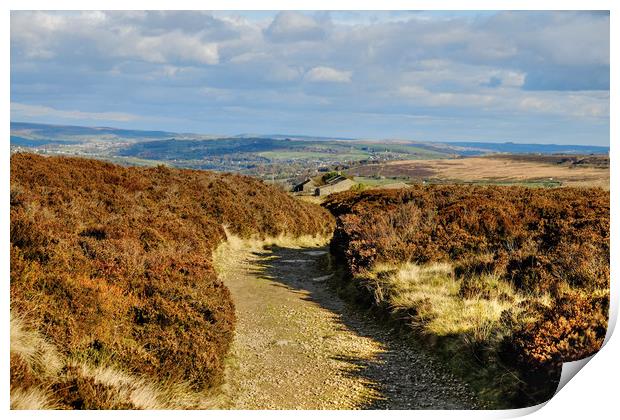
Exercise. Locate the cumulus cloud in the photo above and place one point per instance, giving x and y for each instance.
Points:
(294, 26)
(170, 47)
(328, 74)
(106, 36)
(198, 67)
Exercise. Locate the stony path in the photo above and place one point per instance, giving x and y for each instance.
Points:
(299, 346)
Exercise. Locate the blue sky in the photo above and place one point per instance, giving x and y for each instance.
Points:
(530, 77)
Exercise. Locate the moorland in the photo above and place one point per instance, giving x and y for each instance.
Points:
(506, 282)
(115, 302)
(496, 264)
(276, 158)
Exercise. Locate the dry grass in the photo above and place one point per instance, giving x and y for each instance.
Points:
(314, 199)
(132, 391)
(30, 399)
(29, 345)
(255, 242)
(513, 276)
(433, 292)
(494, 169)
(41, 376)
(34, 362)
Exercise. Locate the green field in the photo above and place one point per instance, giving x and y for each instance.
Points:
(534, 183)
(374, 182)
(283, 155)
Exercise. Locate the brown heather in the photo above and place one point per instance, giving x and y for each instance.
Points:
(111, 267)
(527, 276)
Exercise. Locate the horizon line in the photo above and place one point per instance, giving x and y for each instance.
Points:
(271, 135)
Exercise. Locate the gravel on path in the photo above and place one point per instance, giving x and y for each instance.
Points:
(300, 346)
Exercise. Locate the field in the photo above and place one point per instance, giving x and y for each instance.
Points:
(114, 299)
(496, 169)
(505, 282)
(379, 181)
(319, 155)
(289, 160)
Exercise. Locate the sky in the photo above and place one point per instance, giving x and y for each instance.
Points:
(525, 77)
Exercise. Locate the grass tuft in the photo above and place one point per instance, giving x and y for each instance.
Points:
(499, 279)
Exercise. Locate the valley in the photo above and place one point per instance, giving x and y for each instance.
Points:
(286, 160)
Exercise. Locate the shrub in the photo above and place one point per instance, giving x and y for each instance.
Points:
(113, 264)
(572, 328)
(523, 234)
(529, 281)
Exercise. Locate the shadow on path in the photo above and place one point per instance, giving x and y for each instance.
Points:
(404, 375)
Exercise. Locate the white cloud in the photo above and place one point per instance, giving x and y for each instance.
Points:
(425, 97)
(581, 104)
(294, 26)
(497, 65)
(20, 111)
(328, 74)
(512, 78)
(169, 47)
(107, 36)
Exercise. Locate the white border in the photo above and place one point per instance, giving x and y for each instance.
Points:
(591, 395)
(313, 5)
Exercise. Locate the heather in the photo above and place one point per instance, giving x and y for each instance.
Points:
(111, 269)
(515, 278)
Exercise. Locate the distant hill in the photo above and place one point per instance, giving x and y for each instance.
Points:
(295, 137)
(80, 133)
(25, 142)
(477, 148)
(197, 149)
(33, 134)
(288, 158)
(47, 131)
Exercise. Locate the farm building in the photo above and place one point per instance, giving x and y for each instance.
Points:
(307, 187)
(335, 185)
(329, 184)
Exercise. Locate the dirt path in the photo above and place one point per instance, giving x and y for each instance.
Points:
(299, 346)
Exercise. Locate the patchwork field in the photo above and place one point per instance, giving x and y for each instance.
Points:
(498, 169)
